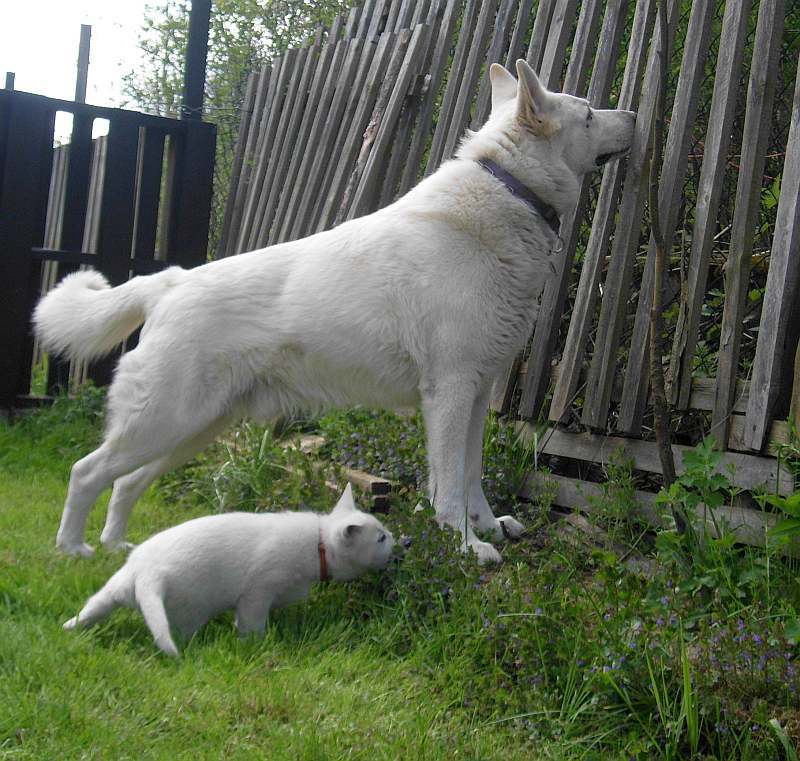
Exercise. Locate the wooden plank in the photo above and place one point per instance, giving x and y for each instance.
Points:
(780, 297)
(398, 163)
(190, 201)
(25, 179)
(469, 79)
(583, 46)
(433, 82)
(279, 191)
(755, 141)
(546, 330)
(264, 120)
(516, 46)
(626, 239)
(541, 28)
(497, 47)
(702, 396)
(673, 172)
(351, 27)
(304, 147)
(558, 38)
(712, 176)
(454, 78)
(779, 434)
(750, 471)
(337, 133)
(117, 208)
(235, 186)
(275, 164)
(148, 193)
(383, 121)
(366, 18)
(276, 95)
(747, 525)
(372, 66)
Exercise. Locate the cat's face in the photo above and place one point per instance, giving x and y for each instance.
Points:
(361, 538)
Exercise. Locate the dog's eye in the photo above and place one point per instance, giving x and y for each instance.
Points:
(382, 538)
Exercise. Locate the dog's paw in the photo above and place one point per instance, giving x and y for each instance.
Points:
(117, 545)
(486, 553)
(509, 528)
(80, 549)
(71, 624)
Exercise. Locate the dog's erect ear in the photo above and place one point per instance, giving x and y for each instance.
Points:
(346, 501)
(532, 101)
(504, 86)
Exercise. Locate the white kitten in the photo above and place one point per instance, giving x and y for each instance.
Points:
(187, 574)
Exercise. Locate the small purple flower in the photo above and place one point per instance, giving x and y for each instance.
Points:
(757, 639)
(537, 612)
(659, 621)
(665, 600)
(740, 625)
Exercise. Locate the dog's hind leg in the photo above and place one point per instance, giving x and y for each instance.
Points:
(128, 489)
(447, 408)
(480, 513)
(151, 603)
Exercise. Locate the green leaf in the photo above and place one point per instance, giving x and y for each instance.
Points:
(786, 527)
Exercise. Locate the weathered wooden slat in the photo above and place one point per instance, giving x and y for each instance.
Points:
(712, 177)
(541, 29)
(497, 48)
(469, 80)
(673, 172)
(365, 21)
(559, 37)
(273, 104)
(418, 91)
(305, 145)
(546, 329)
(252, 169)
(236, 187)
(370, 77)
(452, 88)
(148, 193)
(755, 140)
(516, 46)
(583, 46)
(779, 433)
(338, 78)
(275, 165)
(749, 471)
(780, 297)
(702, 396)
(441, 51)
(626, 239)
(405, 13)
(377, 17)
(384, 119)
(747, 525)
(279, 193)
(351, 27)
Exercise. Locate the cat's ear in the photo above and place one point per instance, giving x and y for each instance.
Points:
(346, 501)
(351, 531)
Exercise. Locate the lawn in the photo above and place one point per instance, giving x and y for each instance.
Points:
(561, 653)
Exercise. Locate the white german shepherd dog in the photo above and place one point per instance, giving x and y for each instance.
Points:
(422, 302)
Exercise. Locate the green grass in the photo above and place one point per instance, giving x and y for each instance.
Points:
(559, 654)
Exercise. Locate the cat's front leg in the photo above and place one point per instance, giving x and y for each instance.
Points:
(251, 613)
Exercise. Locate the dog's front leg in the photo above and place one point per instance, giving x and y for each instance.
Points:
(480, 513)
(447, 407)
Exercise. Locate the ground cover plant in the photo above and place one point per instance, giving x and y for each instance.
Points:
(560, 653)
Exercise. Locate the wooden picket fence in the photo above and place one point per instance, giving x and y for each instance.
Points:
(347, 123)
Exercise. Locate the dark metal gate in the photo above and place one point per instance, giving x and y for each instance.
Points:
(151, 210)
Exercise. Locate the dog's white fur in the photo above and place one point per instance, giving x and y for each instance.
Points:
(184, 576)
(422, 302)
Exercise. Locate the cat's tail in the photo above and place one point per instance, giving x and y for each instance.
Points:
(100, 605)
(83, 317)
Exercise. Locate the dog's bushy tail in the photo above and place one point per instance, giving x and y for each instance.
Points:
(83, 317)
